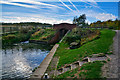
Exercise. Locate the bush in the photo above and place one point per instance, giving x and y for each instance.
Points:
(9, 37)
(81, 34)
(73, 38)
(16, 37)
(24, 30)
(110, 27)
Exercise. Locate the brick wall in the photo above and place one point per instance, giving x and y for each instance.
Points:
(64, 26)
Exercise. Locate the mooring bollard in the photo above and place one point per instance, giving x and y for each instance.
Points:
(46, 76)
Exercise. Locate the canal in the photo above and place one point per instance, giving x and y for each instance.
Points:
(19, 60)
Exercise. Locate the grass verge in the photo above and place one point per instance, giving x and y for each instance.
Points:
(100, 45)
(91, 70)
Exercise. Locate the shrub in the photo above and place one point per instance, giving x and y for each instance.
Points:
(72, 38)
(16, 37)
(10, 37)
(24, 30)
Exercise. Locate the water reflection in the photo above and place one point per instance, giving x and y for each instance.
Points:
(18, 61)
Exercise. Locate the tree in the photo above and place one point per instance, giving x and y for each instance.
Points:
(74, 20)
(80, 21)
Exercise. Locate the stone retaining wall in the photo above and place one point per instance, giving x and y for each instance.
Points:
(39, 72)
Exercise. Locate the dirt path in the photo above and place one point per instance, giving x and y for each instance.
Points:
(111, 69)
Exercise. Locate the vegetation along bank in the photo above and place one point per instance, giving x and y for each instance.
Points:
(79, 46)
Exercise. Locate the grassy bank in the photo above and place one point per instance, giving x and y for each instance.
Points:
(100, 45)
(91, 70)
(20, 36)
(43, 35)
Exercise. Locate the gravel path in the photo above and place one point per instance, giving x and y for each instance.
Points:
(111, 69)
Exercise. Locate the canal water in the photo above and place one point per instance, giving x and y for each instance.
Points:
(19, 60)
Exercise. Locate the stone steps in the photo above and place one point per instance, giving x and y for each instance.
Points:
(70, 67)
(79, 63)
(97, 59)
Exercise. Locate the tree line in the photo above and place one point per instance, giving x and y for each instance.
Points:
(28, 23)
(107, 24)
(110, 24)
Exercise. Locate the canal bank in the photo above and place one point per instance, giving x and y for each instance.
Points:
(40, 71)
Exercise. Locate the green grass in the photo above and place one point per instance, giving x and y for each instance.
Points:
(9, 39)
(100, 45)
(43, 35)
(91, 70)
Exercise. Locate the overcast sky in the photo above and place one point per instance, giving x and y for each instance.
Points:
(57, 11)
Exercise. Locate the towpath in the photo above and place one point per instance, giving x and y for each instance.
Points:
(112, 68)
(39, 72)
